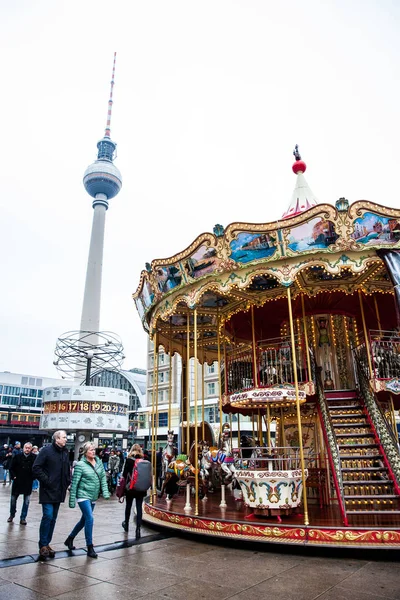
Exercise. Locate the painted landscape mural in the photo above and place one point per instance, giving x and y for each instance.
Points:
(315, 234)
(201, 262)
(168, 278)
(252, 246)
(372, 229)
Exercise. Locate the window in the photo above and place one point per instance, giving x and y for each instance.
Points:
(24, 381)
(211, 389)
(32, 381)
(211, 368)
(39, 382)
(161, 396)
(163, 419)
(12, 389)
(161, 358)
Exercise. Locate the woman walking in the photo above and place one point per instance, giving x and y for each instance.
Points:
(135, 452)
(88, 480)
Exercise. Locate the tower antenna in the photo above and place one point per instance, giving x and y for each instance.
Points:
(110, 101)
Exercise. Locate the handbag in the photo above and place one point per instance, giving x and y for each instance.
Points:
(120, 489)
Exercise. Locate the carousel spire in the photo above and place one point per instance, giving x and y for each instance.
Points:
(302, 197)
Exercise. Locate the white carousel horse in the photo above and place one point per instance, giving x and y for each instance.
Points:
(221, 458)
(168, 454)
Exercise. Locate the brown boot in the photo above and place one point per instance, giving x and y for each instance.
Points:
(51, 552)
(44, 553)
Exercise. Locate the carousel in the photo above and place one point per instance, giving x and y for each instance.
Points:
(301, 318)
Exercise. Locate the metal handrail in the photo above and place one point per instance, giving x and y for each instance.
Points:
(378, 421)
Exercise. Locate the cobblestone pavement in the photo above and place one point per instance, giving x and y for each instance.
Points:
(160, 567)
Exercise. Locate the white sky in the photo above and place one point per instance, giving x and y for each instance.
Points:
(209, 100)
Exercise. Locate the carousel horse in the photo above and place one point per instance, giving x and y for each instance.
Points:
(204, 464)
(221, 458)
(178, 472)
(168, 454)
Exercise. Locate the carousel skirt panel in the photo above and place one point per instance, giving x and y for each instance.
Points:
(239, 523)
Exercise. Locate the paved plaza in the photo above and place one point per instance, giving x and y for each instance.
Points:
(162, 567)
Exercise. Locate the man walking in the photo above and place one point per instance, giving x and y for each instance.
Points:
(22, 479)
(51, 468)
(17, 449)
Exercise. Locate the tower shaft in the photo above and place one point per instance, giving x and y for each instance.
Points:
(90, 319)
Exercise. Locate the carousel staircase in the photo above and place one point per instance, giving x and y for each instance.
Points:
(367, 484)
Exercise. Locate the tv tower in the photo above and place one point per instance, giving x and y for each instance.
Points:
(103, 181)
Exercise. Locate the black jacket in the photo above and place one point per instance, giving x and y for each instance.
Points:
(21, 474)
(128, 470)
(51, 467)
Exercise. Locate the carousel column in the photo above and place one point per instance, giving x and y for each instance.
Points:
(203, 435)
(268, 424)
(170, 381)
(255, 377)
(378, 318)
(296, 385)
(196, 440)
(366, 338)
(219, 375)
(188, 384)
(183, 402)
(155, 409)
(306, 338)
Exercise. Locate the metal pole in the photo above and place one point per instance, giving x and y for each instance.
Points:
(268, 427)
(306, 338)
(378, 318)
(253, 333)
(296, 385)
(155, 408)
(203, 435)
(170, 381)
(188, 384)
(88, 367)
(365, 334)
(196, 452)
(219, 376)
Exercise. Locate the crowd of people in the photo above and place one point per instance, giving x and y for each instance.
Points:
(53, 471)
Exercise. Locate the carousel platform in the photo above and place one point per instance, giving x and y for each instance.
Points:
(236, 521)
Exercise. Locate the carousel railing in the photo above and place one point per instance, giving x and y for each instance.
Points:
(274, 365)
(384, 349)
(385, 354)
(379, 424)
(260, 458)
(330, 439)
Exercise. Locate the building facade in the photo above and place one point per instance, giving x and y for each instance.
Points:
(21, 399)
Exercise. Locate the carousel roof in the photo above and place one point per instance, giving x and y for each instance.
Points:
(302, 197)
(325, 254)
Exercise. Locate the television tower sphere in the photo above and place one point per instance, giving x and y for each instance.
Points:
(102, 177)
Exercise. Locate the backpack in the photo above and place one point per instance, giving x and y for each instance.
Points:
(141, 476)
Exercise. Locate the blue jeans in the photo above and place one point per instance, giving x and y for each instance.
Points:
(5, 473)
(25, 506)
(47, 524)
(87, 508)
(35, 485)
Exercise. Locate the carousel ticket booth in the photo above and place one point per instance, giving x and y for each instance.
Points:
(301, 317)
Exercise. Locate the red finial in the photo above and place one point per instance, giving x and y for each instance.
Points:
(299, 166)
(110, 101)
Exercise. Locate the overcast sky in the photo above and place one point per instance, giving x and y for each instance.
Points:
(209, 99)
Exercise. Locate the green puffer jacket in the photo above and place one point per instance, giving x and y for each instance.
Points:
(87, 480)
